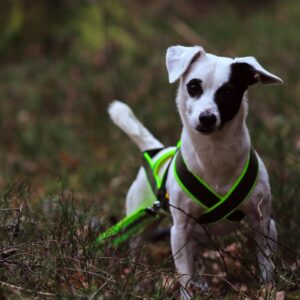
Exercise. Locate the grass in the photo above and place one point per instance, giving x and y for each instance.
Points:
(65, 168)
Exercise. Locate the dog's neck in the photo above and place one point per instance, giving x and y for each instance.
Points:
(218, 158)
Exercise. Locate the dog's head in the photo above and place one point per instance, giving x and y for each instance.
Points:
(212, 87)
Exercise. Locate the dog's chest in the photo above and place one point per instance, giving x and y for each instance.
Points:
(207, 187)
(218, 170)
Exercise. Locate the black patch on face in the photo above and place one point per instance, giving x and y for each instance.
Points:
(194, 88)
(229, 96)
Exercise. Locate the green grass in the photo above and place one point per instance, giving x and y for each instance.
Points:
(67, 168)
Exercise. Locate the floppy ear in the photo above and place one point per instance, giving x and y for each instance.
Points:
(256, 72)
(179, 58)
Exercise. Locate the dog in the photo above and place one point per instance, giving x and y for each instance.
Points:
(215, 143)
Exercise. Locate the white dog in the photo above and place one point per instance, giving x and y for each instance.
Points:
(215, 146)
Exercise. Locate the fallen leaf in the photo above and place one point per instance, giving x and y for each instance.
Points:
(280, 295)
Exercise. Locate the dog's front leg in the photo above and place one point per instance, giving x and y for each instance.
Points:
(183, 252)
(185, 235)
(266, 239)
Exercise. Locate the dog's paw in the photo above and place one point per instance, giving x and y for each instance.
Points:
(196, 287)
(200, 285)
(186, 294)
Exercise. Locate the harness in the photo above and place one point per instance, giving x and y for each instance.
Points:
(216, 207)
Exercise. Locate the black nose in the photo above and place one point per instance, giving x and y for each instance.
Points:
(207, 119)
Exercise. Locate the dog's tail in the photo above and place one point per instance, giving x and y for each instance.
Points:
(123, 117)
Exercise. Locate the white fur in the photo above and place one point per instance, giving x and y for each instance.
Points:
(218, 158)
(123, 117)
(264, 75)
(178, 59)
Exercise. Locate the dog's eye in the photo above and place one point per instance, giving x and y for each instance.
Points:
(194, 88)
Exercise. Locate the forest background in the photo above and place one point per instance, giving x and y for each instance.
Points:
(65, 168)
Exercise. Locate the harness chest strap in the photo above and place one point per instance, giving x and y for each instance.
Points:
(217, 207)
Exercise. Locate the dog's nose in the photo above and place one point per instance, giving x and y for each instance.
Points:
(207, 119)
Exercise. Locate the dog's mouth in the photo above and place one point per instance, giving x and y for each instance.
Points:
(206, 129)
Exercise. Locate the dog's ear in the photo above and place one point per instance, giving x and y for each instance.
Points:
(254, 72)
(179, 58)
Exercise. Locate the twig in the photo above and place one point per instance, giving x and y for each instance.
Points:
(259, 213)
(89, 273)
(100, 288)
(87, 264)
(17, 289)
(188, 33)
(9, 209)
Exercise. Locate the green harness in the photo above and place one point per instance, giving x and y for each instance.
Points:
(217, 207)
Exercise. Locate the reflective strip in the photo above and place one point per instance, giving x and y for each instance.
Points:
(161, 160)
(127, 227)
(153, 163)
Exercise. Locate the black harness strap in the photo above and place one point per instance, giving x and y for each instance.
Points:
(198, 190)
(230, 202)
(148, 169)
(153, 152)
(161, 192)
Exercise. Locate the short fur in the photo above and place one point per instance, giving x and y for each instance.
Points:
(216, 151)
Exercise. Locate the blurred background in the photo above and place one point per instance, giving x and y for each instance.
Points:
(63, 61)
